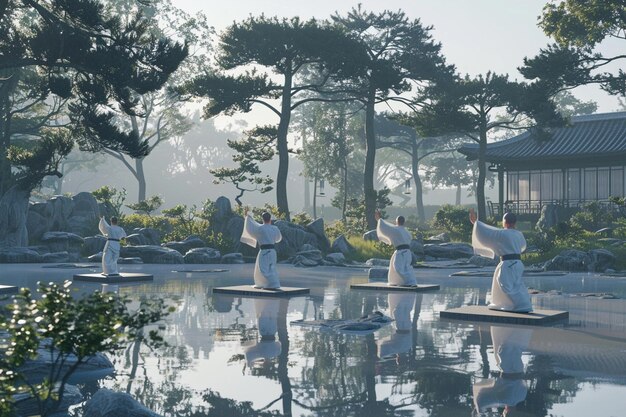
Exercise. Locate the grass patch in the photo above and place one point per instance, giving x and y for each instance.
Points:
(367, 249)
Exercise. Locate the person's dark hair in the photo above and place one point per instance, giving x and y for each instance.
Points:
(400, 220)
(509, 218)
(113, 220)
(266, 217)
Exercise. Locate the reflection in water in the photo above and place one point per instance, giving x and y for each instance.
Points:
(267, 348)
(400, 342)
(509, 388)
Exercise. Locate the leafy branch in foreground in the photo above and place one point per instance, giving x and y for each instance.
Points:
(68, 331)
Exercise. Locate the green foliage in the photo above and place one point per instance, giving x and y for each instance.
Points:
(455, 221)
(185, 222)
(147, 206)
(67, 328)
(139, 221)
(112, 198)
(367, 249)
(592, 217)
(301, 219)
(356, 219)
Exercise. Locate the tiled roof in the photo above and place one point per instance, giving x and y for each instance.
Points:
(593, 136)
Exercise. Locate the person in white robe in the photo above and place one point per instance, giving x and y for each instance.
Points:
(401, 305)
(508, 292)
(111, 252)
(509, 388)
(266, 235)
(267, 310)
(401, 264)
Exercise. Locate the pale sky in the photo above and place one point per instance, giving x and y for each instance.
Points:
(477, 35)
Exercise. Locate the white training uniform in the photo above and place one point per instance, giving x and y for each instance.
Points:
(267, 318)
(265, 273)
(401, 263)
(510, 389)
(111, 252)
(508, 291)
(401, 305)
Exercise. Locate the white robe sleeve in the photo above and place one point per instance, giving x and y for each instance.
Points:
(104, 227)
(385, 232)
(484, 239)
(250, 231)
(279, 236)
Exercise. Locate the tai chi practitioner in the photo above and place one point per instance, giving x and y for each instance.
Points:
(111, 252)
(267, 235)
(509, 388)
(401, 263)
(508, 292)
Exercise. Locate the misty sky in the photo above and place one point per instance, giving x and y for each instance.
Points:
(477, 35)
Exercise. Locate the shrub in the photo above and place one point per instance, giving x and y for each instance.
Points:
(592, 217)
(367, 249)
(455, 221)
(112, 198)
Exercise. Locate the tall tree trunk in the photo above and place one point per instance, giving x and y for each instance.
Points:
(283, 149)
(141, 179)
(315, 197)
(307, 186)
(419, 192)
(482, 175)
(370, 161)
(13, 215)
(7, 88)
(344, 205)
(457, 200)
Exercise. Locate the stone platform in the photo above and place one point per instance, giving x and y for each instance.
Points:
(123, 278)
(8, 289)
(382, 286)
(249, 290)
(482, 313)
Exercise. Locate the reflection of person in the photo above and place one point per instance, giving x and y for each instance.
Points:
(111, 252)
(508, 291)
(267, 318)
(509, 388)
(401, 304)
(400, 266)
(265, 273)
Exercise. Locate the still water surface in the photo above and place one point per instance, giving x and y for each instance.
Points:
(241, 356)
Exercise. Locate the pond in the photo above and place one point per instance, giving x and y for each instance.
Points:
(242, 356)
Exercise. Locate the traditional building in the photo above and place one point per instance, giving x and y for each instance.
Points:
(584, 161)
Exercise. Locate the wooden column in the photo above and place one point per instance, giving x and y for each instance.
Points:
(501, 189)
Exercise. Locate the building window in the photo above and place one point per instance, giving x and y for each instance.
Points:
(524, 186)
(513, 186)
(546, 186)
(603, 183)
(557, 185)
(617, 181)
(573, 184)
(590, 191)
(535, 186)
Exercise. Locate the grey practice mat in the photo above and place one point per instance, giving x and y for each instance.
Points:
(8, 289)
(362, 326)
(261, 292)
(64, 266)
(482, 313)
(526, 273)
(382, 286)
(199, 270)
(124, 277)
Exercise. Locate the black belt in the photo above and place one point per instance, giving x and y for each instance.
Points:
(400, 247)
(114, 240)
(266, 246)
(511, 257)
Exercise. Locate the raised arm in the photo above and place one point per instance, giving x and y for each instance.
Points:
(385, 231)
(104, 226)
(250, 229)
(485, 238)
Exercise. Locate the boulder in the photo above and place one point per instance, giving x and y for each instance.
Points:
(137, 239)
(203, 256)
(551, 215)
(569, 260)
(152, 254)
(36, 224)
(294, 237)
(482, 261)
(377, 262)
(342, 245)
(233, 258)
(233, 231)
(93, 244)
(96, 257)
(62, 241)
(186, 245)
(307, 247)
(308, 258)
(449, 250)
(370, 235)
(25, 405)
(13, 218)
(19, 255)
(317, 228)
(107, 403)
(127, 261)
(377, 274)
(601, 260)
(417, 247)
(85, 214)
(57, 257)
(150, 236)
(93, 368)
(335, 259)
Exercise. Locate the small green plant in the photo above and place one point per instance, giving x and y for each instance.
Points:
(367, 249)
(111, 197)
(147, 206)
(301, 219)
(455, 221)
(70, 330)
